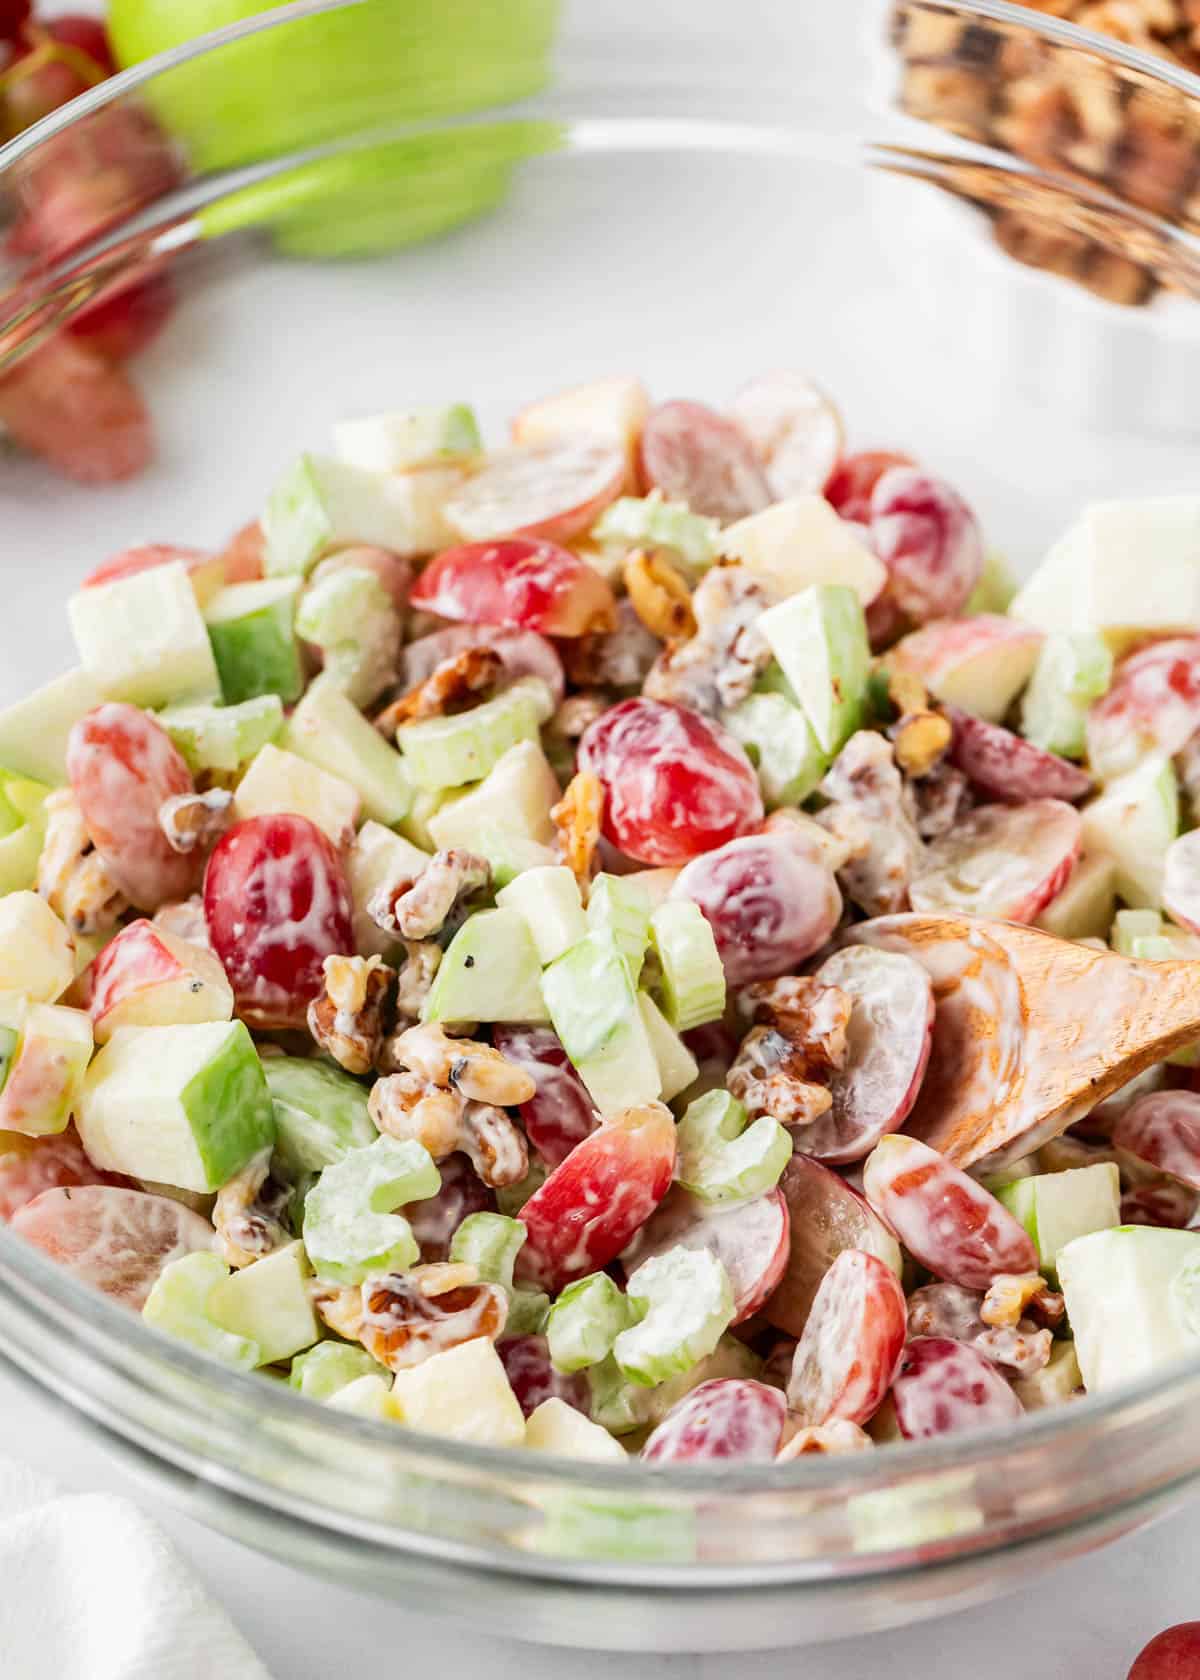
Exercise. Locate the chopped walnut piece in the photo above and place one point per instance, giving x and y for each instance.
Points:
(403, 1106)
(1008, 1294)
(941, 797)
(839, 1436)
(418, 909)
(476, 1070)
(576, 713)
(422, 959)
(717, 667)
(920, 739)
(348, 1020)
(195, 821)
(814, 1018)
(1019, 1347)
(404, 1322)
(770, 1076)
(577, 819)
(247, 1228)
(463, 677)
(864, 780)
(72, 876)
(660, 595)
(619, 657)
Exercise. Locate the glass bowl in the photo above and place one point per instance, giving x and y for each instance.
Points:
(972, 223)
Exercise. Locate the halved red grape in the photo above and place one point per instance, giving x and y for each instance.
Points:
(123, 765)
(729, 1418)
(944, 1387)
(1009, 767)
(695, 455)
(87, 35)
(522, 584)
(526, 1361)
(277, 904)
(1163, 1130)
(945, 1219)
(1171, 1205)
(435, 1220)
(30, 1165)
(846, 1357)
(1181, 880)
(556, 489)
(826, 1217)
(67, 404)
(1005, 861)
(795, 429)
(851, 483)
(523, 652)
(1173, 1654)
(125, 318)
(1152, 706)
(928, 539)
(750, 1241)
(889, 1037)
(771, 900)
(592, 1204)
(116, 1240)
(675, 783)
(560, 1113)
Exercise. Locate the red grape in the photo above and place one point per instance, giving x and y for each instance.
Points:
(116, 1240)
(82, 415)
(852, 481)
(1173, 1654)
(124, 321)
(944, 1387)
(277, 904)
(697, 456)
(435, 1220)
(795, 430)
(555, 489)
(1006, 861)
(729, 1418)
(1006, 766)
(945, 1219)
(30, 1165)
(846, 1357)
(86, 35)
(889, 1038)
(928, 539)
(591, 1205)
(522, 584)
(560, 1113)
(1171, 1205)
(675, 783)
(1153, 706)
(526, 1361)
(123, 765)
(771, 900)
(827, 1217)
(144, 559)
(1163, 1130)
(750, 1241)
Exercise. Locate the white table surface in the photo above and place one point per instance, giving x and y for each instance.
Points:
(1090, 1617)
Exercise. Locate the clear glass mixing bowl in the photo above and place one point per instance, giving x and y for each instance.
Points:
(972, 223)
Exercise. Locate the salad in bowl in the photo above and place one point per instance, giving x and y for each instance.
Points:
(458, 945)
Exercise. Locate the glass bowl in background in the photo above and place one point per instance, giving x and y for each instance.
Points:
(483, 199)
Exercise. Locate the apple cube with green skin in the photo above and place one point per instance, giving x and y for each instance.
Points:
(780, 743)
(351, 1228)
(282, 781)
(223, 737)
(401, 440)
(146, 977)
(182, 1105)
(448, 752)
(490, 972)
(180, 1303)
(37, 955)
(1055, 1208)
(269, 1304)
(516, 797)
(556, 1427)
(320, 1115)
(463, 1393)
(252, 628)
(143, 639)
(801, 542)
(328, 730)
(322, 504)
(593, 1005)
(1073, 669)
(819, 638)
(1133, 1299)
(980, 664)
(1084, 908)
(46, 1068)
(510, 855)
(1133, 822)
(352, 618)
(550, 902)
(34, 731)
(378, 858)
(323, 1370)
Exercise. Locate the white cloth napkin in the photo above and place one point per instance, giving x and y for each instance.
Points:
(91, 1590)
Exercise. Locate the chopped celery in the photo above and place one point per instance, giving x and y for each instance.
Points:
(350, 1228)
(351, 617)
(179, 1304)
(653, 522)
(446, 752)
(684, 1301)
(617, 902)
(223, 737)
(330, 1366)
(593, 1005)
(490, 1242)
(585, 1321)
(693, 977)
(722, 1158)
(1073, 669)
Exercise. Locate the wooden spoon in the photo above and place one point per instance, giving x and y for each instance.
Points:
(1031, 1031)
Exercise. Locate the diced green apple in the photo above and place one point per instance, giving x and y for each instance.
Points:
(800, 542)
(45, 1072)
(270, 1304)
(320, 1115)
(37, 956)
(693, 976)
(143, 638)
(179, 1303)
(819, 637)
(556, 1427)
(182, 1105)
(448, 752)
(352, 618)
(321, 1371)
(1073, 669)
(403, 439)
(281, 781)
(463, 1393)
(1133, 1295)
(377, 858)
(252, 628)
(549, 900)
(1084, 907)
(223, 737)
(594, 1007)
(515, 798)
(34, 731)
(980, 664)
(1055, 1208)
(780, 743)
(322, 503)
(329, 731)
(510, 855)
(1133, 822)
(490, 972)
(146, 977)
